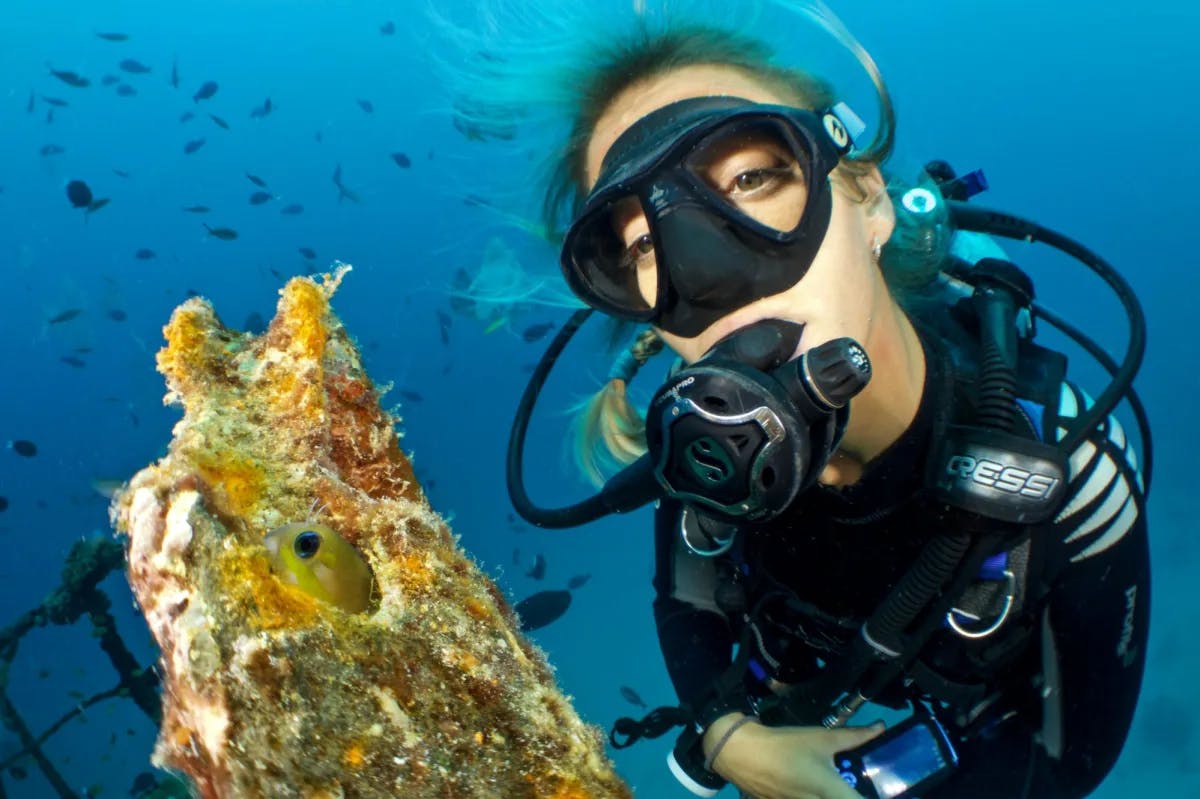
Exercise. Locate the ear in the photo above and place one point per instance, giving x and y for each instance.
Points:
(880, 213)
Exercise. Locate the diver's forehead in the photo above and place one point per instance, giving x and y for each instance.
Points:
(647, 95)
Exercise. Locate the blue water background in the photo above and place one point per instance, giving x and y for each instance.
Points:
(1082, 114)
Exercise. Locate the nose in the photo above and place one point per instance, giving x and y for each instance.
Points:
(703, 267)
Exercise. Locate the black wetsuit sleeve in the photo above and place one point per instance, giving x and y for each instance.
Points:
(1096, 622)
(695, 637)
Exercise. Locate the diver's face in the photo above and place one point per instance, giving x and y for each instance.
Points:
(842, 291)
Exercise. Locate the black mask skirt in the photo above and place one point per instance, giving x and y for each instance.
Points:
(687, 193)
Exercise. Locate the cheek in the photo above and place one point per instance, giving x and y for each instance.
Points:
(839, 291)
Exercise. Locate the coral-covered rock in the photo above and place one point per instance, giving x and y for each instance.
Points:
(271, 692)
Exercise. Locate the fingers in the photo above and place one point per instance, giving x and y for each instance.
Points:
(842, 738)
(830, 783)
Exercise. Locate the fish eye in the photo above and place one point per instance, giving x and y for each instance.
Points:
(307, 544)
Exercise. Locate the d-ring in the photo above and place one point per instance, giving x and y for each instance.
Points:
(1009, 598)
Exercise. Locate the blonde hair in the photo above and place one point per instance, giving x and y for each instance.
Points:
(581, 64)
(608, 430)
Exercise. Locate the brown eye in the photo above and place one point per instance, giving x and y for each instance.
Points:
(749, 181)
(764, 178)
(638, 249)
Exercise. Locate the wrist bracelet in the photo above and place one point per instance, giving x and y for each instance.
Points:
(724, 739)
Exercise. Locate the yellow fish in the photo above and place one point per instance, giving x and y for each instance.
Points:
(322, 564)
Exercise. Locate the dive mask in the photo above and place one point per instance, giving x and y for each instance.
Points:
(702, 207)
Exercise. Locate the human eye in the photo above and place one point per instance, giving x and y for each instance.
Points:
(760, 180)
(637, 251)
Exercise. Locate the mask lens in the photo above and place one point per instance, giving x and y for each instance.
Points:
(610, 259)
(756, 168)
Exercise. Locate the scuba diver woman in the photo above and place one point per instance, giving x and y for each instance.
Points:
(871, 484)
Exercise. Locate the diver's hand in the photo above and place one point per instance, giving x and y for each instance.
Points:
(785, 762)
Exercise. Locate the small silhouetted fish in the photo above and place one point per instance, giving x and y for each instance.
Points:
(197, 209)
(482, 131)
(186, 116)
(52, 149)
(57, 102)
(109, 80)
(18, 772)
(402, 160)
(538, 571)
(71, 360)
(260, 197)
(79, 194)
(367, 106)
(254, 323)
(70, 78)
(117, 315)
(121, 173)
(23, 447)
(542, 608)
(262, 110)
(220, 123)
(222, 233)
(125, 90)
(411, 396)
(631, 696)
(49, 116)
(192, 293)
(145, 254)
(206, 90)
(444, 322)
(112, 37)
(193, 146)
(175, 74)
(65, 316)
(292, 210)
(3, 504)
(143, 783)
(308, 253)
(578, 581)
(537, 331)
(516, 556)
(343, 192)
(387, 28)
(96, 205)
(133, 67)
(256, 180)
